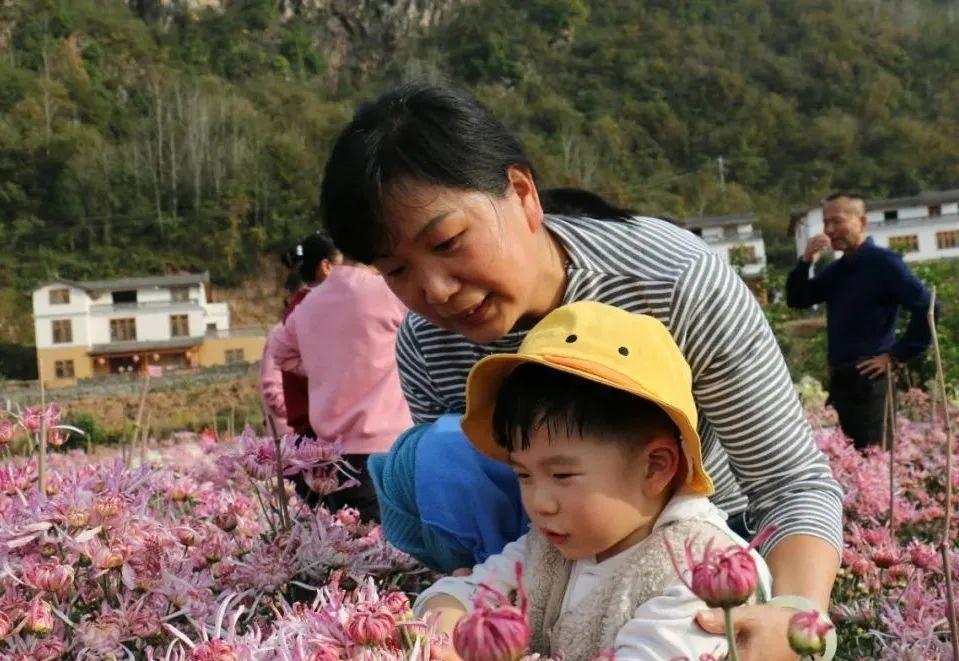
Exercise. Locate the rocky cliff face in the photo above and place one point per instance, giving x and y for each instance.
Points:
(374, 23)
(339, 25)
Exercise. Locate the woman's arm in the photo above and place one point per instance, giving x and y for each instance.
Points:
(743, 389)
(271, 377)
(286, 346)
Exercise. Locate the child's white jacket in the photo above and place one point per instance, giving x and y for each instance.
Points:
(661, 628)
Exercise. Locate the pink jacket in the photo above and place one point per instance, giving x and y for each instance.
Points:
(271, 384)
(342, 337)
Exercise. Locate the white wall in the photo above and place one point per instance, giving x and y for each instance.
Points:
(44, 313)
(926, 235)
(91, 319)
(217, 313)
(153, 295)
(79, 301)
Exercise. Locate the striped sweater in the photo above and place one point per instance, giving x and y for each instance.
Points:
(757, 445)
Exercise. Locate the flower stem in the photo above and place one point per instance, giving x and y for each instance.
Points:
(730, 634)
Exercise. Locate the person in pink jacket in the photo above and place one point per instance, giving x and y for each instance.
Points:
(271, 385)
(342, 337)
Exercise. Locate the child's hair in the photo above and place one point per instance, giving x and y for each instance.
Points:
(308, 253)
(535, 396)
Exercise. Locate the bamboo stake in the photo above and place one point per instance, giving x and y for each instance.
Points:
(232, 421)
(280, 489)
(891, 428)
(139, 418)
(143, 438)
(947, 526)
(42, 458)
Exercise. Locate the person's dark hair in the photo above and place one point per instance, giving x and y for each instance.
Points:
(535, 396)
(423, 132)
(307, 254)
(579, 202)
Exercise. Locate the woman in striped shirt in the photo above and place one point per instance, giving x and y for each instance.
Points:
(429, 187)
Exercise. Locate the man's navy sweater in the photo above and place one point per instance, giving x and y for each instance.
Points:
(863, 291)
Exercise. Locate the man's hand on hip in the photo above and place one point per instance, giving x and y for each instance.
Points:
(876, 366)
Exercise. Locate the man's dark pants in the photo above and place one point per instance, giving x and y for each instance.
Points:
(860, 402)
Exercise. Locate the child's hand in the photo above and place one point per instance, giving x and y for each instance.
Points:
(445, 653)
(447, 611)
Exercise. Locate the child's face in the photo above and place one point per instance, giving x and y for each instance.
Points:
(590, 497)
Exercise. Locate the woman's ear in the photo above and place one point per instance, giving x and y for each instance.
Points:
(522, 184)
(662, 464)
(323, 270)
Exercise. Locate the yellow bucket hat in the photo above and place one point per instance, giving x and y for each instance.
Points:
(631, 352)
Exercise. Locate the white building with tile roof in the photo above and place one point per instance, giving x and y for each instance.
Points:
(97, 327)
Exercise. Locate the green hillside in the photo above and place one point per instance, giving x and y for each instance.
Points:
(152, 136)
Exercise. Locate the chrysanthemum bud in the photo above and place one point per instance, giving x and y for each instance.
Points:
(39, 618)
(807, 632)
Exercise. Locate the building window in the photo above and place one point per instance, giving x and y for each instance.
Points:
(59, 296)
(179, 294)
(179, 325)
(234, 356)
(935, 210)
(63, 369)
(947, 239)
(62, 331)
(904, 244)
(122, 330)
(128, 296)
(890, 214)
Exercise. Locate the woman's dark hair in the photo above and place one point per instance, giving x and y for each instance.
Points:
(423, 132)
(579, 202)
(308, 253)
(535, 396)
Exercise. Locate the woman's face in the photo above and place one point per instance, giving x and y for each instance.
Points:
(464, 260)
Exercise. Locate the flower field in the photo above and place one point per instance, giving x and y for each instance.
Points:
(196, 554)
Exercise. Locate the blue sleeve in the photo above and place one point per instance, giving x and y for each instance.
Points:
(910, 293)
(803, 291)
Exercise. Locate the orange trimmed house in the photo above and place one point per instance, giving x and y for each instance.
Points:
(95, 328)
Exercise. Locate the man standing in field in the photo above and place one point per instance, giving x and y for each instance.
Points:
(863, 292)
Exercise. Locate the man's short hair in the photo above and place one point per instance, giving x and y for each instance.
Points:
(534, 396)
(840, 194)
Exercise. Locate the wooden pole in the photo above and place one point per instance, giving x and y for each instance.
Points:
(144, 436)
(947, 524)
(42, 456)
(139, 418)
(232, 421)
